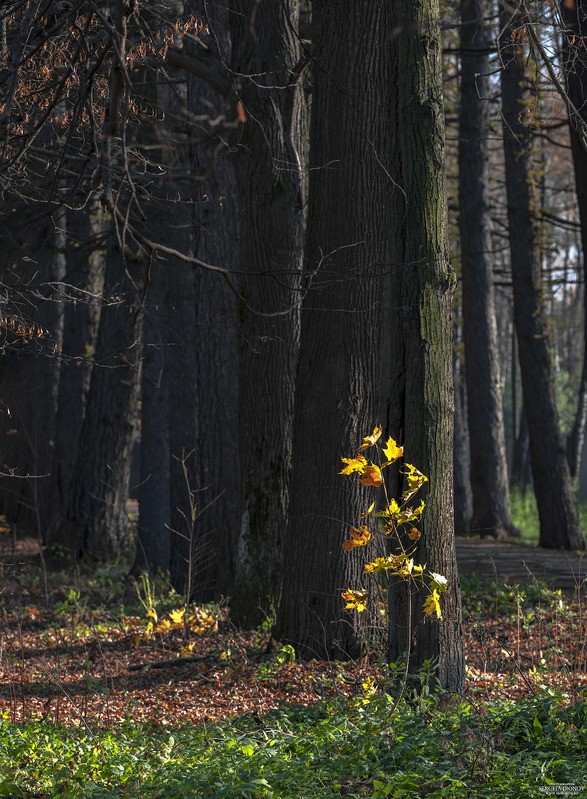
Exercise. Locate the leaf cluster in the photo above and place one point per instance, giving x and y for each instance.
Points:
(395, 523)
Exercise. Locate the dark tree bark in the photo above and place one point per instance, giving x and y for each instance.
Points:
(421, 403)
(266, 51)
(489, 474)
(337, 393)
(81, 316)
(96, 523)
(153, 536)
(463, 497)
(183, 436)
(574, 16)
(559, 524)
(30, 366)
(216, 338)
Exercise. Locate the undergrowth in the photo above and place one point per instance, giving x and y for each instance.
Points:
(336, 748)
(481, 744)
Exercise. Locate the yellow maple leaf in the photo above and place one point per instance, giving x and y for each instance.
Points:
(186, 651)
(355, 599)
(354, 464)
(371, 475)
(164, 626)
(392, 511)
(377, 565)
(387, 563)
(359, 537)
(369, 510)
(176, 616)
(438, 582)
(432, 604)
(411, 514)
(371, 440)
(392, 451)
(414, 478)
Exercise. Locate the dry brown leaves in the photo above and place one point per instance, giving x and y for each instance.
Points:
(76, 668)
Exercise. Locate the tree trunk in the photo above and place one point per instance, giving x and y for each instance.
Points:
(489, 474)
(183, 434)
(153, 536)
(574, 16)
(216, 337)
(81, 315)
(421, 404)
(96, 523)
(463, 497)
(559, 523)
(337, 394)
(269, 170)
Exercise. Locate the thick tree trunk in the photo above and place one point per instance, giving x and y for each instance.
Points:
(337, 393)
(96, 523)
(421, 406)
(559, 524)
(216, 337)
(269, 170)
(489, 474)
(574, 17)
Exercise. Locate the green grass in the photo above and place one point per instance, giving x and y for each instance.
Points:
(354, 749)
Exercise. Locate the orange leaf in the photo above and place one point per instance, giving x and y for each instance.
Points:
(359, 536)
(371, 476)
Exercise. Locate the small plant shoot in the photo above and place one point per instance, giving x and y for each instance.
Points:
(391, 530)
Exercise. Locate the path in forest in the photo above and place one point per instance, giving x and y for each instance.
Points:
(521, 564)
(483, 557)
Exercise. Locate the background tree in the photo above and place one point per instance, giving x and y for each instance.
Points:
(489, 474)
(559, 524)
(266, 65)
(574, 61)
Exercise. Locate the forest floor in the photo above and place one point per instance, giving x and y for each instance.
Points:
(81, 649)
(110, 690)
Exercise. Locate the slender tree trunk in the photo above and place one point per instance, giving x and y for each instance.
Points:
(266, 51)
(574, 16)
(489, 474)
(81, 316)
(153, 539)
(559, 524)
(183, 434)
(421, 407)
(463, 502)
(50, 316)
(96, 523)
(337, 394)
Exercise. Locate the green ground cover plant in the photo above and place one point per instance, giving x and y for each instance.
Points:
(135, 692)
(520, 730)
(352, 748)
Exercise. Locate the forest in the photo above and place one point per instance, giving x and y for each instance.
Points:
(293, 398)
